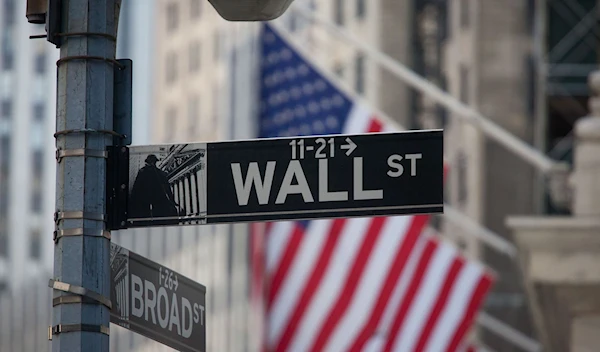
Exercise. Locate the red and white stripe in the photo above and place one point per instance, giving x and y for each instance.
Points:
(367, 284)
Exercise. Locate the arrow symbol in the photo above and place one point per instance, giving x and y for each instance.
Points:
(350, 146)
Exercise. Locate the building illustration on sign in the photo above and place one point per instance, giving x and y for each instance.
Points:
(168, 184)
(119, 273)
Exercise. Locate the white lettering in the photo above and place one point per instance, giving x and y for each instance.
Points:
(163, 320)
(137, 296)
(253, 177)
(394, 162)
(201, 315)
(359, 192)
(150, 302)
(186, 311)
(324, 194)
(174, 318)
(413, 162)
(294, 169)
(196, 313)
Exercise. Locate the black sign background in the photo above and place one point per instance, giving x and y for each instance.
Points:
(405, 194)
(124, 264)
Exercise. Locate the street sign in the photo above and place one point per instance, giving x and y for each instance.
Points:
(285, 179)
(157, 302)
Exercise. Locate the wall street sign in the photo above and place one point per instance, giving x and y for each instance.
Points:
(157, 302)
(286, 178)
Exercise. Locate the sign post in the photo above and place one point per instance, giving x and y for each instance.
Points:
(283, 179)
(157, 302)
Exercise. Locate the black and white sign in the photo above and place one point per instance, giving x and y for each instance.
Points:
(287, 178)
(157, 302)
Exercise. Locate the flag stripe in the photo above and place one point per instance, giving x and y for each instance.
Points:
(402, 311)
(456, 266)
(358, 120)
(374, 126)
(458, 301)
(423, 300)
(352, 280)
(401, 258)
(355, 232)
(483, 286)
(312, 241)
(312, 283)
(393, 236)
(286, 260)
(276, 244)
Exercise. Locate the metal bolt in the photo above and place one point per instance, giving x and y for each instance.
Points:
(122, 223)
(123, 149)
(123, 186)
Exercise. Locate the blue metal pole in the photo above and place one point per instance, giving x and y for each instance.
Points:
(84, 102)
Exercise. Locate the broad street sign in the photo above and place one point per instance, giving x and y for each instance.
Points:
(285, 179)
(157, 302)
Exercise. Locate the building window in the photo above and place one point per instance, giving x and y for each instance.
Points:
(171, 68)
(4, 157)
(193, 116)
(170, 123)
(3, 195)
(359, 74)
(339, 12)
(461, 175)
(35, 244)
(6, 108)
(195, 8)
(7, 57)
(217, 45)
(9, 9)
(464, 84)
(361, 9)
(194, 56)
(293, 23)
(3, 238)
(40, 63)
(338, 70)
(215, 115)
(464, 13)
(39, 111)
(172, 16)
(462, 244)
(36, 200)
(37, 161)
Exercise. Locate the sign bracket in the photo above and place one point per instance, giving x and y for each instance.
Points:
(64, 328)
(117, 187)
(80, 291)
(90, 153)
(58, 234)
(63, 215)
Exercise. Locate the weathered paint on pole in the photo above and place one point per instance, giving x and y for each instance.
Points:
(84, 102)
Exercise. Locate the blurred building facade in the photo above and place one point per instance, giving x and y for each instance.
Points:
(27, 164)
(523, 64)
(487, 51)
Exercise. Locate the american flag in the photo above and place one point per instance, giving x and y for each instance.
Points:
(360, 284)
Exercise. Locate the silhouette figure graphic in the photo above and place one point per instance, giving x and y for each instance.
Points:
(151, 195)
